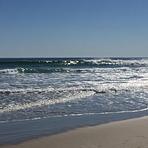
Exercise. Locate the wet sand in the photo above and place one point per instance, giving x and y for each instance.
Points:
(132, 133)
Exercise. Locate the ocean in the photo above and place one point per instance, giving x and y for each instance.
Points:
(36, 90)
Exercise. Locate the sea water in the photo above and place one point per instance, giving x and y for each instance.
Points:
(36, 88)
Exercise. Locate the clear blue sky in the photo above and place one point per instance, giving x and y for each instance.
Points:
(47, 28)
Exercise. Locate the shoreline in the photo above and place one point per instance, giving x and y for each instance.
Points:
(130, 133)
(18, 132)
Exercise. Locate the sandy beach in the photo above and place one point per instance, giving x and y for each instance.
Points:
(131, 133)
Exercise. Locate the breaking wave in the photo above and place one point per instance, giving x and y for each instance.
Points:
(11, 66)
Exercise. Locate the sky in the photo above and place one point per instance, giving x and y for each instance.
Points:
(73, 28)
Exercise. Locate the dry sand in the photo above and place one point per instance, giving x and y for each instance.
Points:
(122, 134)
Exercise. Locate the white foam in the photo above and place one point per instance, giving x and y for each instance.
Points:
(23, 90)
(44, 102)
(9, 71)
(119, 61)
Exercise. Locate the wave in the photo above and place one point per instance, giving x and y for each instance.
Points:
(41, 70)
(9, 71)
(44, 102)
(67, 94)
(134, 82)
(108, 62)
(65, 65)
(23, 90)
(75, 115)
